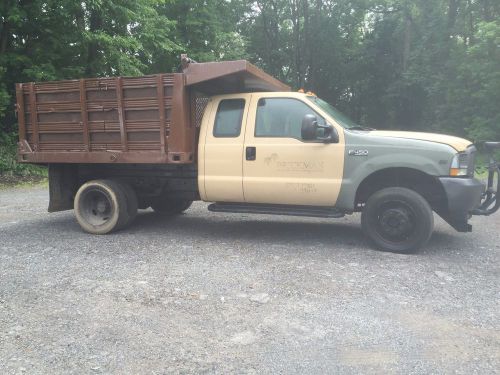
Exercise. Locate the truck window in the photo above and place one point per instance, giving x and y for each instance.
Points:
(282, 117)
(228, 118)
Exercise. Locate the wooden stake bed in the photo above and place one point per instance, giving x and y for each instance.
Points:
(149, 119)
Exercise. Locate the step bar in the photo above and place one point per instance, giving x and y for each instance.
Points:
(276, 209)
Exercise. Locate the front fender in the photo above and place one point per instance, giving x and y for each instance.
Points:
(365, 155)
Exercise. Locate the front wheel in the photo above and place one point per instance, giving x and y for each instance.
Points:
(397, 220)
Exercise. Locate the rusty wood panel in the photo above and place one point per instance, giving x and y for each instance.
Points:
(85, 116)
(58, 107)
(143, 81)
(58, 127)
(127, 118)
(34, 116)
(20, 111)
(121, 113)
(143, 126)
(168, 79)
(161, 109)
(44, 88)
(131, 104)
(58, 97)
(74, 117)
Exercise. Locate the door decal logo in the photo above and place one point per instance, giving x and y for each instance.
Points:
(307, 166)
(301, 188)
(270, 159)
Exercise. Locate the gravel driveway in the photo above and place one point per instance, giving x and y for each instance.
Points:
(223, 293)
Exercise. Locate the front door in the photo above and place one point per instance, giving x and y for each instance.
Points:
(278, 166)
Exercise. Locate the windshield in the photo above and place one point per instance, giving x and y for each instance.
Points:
(342, 119)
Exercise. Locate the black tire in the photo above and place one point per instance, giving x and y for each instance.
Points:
(101, 206)
(132, 203)
(397, 220)
(169, 207)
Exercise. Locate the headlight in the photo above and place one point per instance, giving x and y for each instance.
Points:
(463, 163)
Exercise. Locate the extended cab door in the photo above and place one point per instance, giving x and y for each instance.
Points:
(281, 168)
(221, 149)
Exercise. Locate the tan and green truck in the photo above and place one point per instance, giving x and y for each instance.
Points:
(229, 134)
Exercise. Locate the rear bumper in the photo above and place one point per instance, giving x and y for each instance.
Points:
(463, 195)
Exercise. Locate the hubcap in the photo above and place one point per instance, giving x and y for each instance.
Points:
(96, 207)
(395, 221)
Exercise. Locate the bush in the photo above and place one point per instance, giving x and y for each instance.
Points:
(9, 166)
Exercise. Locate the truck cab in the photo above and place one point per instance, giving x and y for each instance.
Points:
(252, 150)
(292, 153)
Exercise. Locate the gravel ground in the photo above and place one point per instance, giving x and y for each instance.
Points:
(222, 293)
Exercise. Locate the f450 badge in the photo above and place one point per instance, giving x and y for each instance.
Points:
(358, 152)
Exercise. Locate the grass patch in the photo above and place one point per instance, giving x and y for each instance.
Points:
(22, 181)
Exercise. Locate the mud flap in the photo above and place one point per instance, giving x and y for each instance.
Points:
(63, 183)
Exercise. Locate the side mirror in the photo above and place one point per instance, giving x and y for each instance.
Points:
(310, 129)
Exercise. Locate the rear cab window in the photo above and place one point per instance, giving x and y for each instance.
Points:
(229, 118)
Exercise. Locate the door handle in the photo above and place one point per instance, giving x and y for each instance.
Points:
(251, 153)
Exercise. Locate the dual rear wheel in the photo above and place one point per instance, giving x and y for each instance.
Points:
(104, 206)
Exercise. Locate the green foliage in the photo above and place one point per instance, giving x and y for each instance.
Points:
(8, 159)
(407, 64)
(478, 84)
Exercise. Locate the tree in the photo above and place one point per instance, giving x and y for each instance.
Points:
(408, 64)
(62, 39)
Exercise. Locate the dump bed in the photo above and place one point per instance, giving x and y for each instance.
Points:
(148, 119)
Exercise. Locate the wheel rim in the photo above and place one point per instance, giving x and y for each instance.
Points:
(395, 221)
(96, 207)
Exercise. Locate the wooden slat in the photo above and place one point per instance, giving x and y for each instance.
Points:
(34, 116)
(85, 115)
(161, 109)
(20, 111)
(121, 113)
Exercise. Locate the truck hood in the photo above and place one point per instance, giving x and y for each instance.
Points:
(458, 144)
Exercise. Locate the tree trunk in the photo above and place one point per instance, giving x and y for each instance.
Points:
(297, 48)
(95, 24)
(307, 41)
(407, 41)
(5, 34)
(452, 16)
(4, 37)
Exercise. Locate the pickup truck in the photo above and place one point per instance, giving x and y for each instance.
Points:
(229, 134)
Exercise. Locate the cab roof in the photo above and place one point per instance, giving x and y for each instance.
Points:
(226, 77)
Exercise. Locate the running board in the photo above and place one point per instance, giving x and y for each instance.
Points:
(276, 209)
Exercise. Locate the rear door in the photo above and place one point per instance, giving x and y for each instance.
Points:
(281, 168)
(223, 149)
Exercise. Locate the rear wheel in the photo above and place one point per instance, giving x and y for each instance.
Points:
(101, 206)
(397, 220)
(171, 206)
